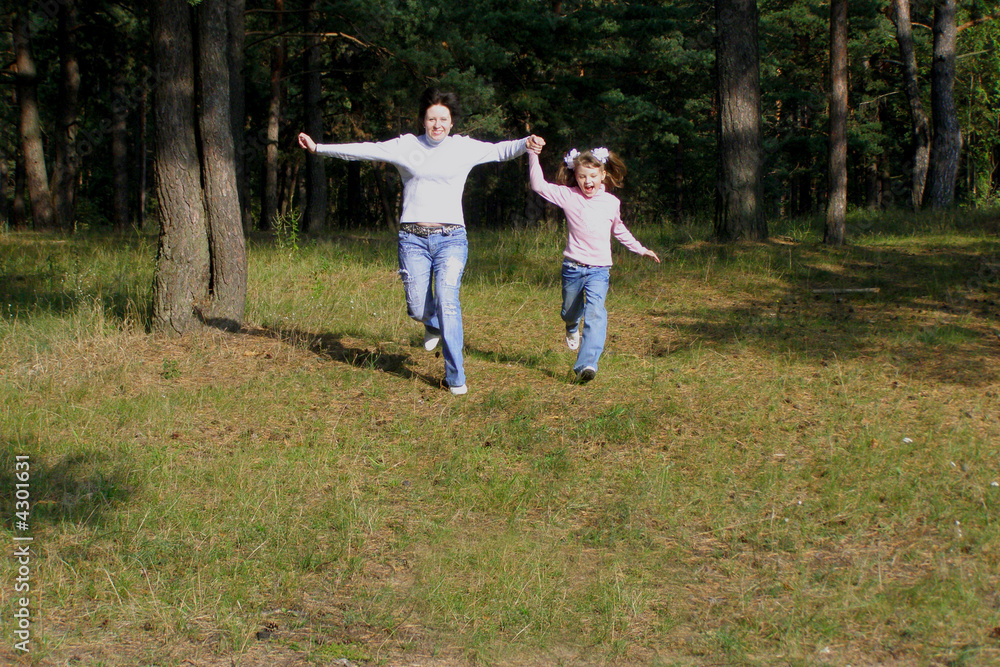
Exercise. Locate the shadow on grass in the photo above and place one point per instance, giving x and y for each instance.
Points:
(79, 488)
(331, 346)
(534, 361)
(934, 314)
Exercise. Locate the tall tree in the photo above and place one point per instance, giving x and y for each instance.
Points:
(66, 168)
(918, 117)
(201, 268)
(237, 98)
(5, 221)
(228, 281)
(836, 207)
(182, 265)
(739, 212)
(946, 144)
(271, 154)
(30, 125)
(142, 161)
(316, 190)
(119, 148)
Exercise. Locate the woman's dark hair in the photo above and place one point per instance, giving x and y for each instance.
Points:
(433, 96)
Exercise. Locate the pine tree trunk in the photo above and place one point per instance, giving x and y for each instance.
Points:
(946, 146)
(388, 211)
(19, 208)
(679, 212)
(918, 118)
(316, 188)
(5, 221)
(182, 268)
(237, 98)
(228, 283)
(119, 151)
(739, 212)
(67, 163)
(270, 208)
(30, 128)
(836, 206)
(141, 158)
(354, 215)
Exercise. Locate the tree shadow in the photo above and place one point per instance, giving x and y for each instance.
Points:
(331, 346)
(533, 360)
(934, 314)
(78, 488)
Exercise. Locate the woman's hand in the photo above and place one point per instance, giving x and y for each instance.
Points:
(535, 144)
(306, 142)
(650, 253)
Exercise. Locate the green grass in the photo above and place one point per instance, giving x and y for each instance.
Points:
(761, 474)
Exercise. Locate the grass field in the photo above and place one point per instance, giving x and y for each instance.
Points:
(763, 472)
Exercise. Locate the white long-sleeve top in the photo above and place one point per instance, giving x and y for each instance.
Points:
(433, 174)
(590, 221)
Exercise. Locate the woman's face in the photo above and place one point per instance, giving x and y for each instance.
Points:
(589, 179)
(437, 122)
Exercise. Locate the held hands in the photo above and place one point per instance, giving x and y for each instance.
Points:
(306, 142)
(535, 144)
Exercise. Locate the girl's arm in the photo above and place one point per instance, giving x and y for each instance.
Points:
(557, 194)
(626, 238)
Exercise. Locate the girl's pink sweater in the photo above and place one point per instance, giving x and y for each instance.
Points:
(591, 221)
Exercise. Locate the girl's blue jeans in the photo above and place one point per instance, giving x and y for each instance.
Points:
(584, 289)
(431, 269)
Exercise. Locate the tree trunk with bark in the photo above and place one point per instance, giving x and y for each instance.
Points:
(30, 126)
(836, 206)
(271, 168)
(119, 151)
(918, 117)
(946, 145)
(228, 281)
(141, 158)
(19, 208)
(5, 221)
(739, 211)
(67, 162)
(237, 97)
(316, 187)
(182, 266)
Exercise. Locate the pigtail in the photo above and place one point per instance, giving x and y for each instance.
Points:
(615, 170)
(565, 175)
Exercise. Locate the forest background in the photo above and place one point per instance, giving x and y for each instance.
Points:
(635, 76)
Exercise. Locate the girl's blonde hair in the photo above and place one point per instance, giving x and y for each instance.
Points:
(614, 168)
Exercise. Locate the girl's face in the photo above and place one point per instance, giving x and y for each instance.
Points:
(589, 179)
(437, 122)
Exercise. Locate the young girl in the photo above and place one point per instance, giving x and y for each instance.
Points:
(593, 215)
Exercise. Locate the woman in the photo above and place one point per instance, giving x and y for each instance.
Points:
(433, 246)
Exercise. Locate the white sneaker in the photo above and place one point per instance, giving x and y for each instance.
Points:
(573, 340)
(586, 375)
(431, 340)
(460, 390)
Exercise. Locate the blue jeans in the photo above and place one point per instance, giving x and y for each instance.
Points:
(431, 269)
(584, 290)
